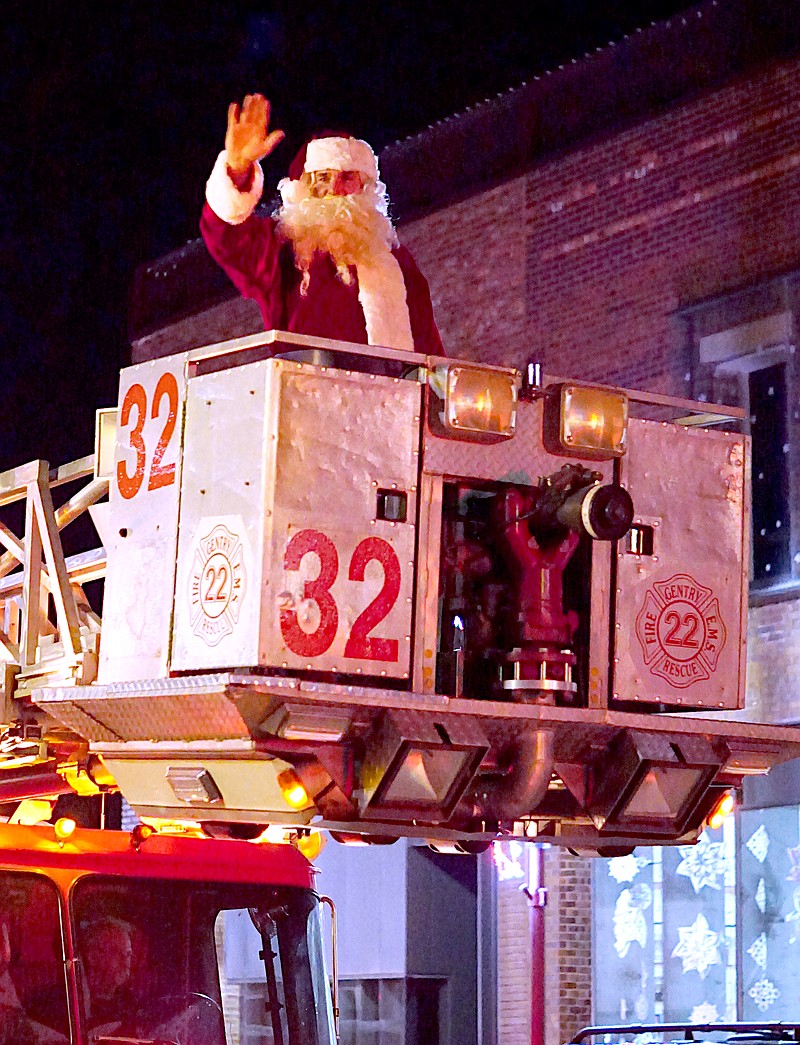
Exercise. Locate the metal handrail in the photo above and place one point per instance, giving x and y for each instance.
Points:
(775, 1031)
(334, 961)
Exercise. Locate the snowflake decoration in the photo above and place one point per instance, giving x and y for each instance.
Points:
(704, 1013)
(630, 925)
(623, 869)
(703, 864)
(794, 870)
(761, 895)
(697, 947)
(758, 844)
(764, 993)
(758, 951)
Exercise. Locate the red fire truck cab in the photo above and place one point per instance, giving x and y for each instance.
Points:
(108, 937)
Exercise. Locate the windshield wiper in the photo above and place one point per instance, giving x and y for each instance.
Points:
(264, 921)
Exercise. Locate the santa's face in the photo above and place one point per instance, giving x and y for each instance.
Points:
(336, 183)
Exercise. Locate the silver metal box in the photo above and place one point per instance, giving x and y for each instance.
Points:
(297, 521)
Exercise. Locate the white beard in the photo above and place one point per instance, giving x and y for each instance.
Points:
(354, 230)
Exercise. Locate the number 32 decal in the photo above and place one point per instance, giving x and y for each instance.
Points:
(135, 401)
(360, 644)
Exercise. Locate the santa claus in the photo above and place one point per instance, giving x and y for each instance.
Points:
(328, 262)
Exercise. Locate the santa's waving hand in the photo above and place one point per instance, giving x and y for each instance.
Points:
(248, 138)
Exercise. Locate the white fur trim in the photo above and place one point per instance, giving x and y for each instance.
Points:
(292, 191)
(382, 293)
(341, 154)
(227, 202)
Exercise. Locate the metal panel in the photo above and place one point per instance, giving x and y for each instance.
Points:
(339, 579)
(143, 521)
(521, 459)
(283, 560)
(426, 627)
(248, 787)
(226, 487)
(680, 611)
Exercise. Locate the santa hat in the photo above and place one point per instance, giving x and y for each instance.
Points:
(334, 151)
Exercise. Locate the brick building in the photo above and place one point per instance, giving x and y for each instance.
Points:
(631, 218)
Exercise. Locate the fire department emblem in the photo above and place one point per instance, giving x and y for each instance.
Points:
(217, 584)
(680, 630)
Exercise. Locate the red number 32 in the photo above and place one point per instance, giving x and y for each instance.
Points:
(360, 645)
(135, 401)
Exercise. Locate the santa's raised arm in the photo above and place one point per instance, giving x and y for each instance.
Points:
(328, 262)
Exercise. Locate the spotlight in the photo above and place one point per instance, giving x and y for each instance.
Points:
(646, 784)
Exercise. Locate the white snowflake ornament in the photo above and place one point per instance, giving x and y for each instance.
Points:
(704, 1013)
(758, 843)
(623, 869)
(764, 993)
(758, 951)
(703, 864)
(697, 947)
(630, 924)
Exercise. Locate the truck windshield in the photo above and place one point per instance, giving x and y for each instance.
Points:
(197, 963)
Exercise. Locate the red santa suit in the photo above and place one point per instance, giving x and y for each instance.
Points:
(387, 302)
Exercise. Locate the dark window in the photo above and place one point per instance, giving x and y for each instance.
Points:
(424, 1011)
(771, 520)
(33, 994)
(202, 962)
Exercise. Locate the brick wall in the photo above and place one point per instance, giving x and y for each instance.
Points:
(473, 254)
(568, 933)
(615, 237)
(574, 926)
(773, 662)
(513, 965)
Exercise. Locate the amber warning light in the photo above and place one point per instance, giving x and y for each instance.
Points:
(586, 422)
(480, 404)
(722, 810)
(293, 791)
(64, 828)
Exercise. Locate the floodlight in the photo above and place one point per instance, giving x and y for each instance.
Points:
(647, 784)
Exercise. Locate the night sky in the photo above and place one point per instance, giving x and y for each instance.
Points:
(113, 119)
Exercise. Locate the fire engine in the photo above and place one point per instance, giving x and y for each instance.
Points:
(361, 591)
